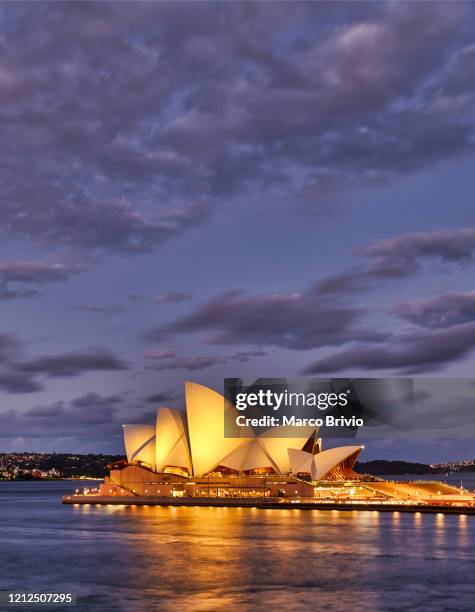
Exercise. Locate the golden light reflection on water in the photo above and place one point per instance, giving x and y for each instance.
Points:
(274, 538)
(213, 558)
(463, 539)
(439, 532)
(417, 521)
(113, 509)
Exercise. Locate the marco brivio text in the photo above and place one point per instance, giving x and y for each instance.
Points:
(286, 399)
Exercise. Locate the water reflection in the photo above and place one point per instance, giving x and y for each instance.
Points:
(463, 531)
(439, 533)
(141, 558)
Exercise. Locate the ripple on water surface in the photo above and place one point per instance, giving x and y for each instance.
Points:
(142, 558)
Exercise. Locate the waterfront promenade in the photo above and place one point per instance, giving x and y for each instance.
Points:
(274, 503)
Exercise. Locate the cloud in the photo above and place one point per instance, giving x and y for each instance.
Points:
(403, 253)
(160, 355)
(445, 310)
(160, 398)
(192, 364)
(282, 107)
(92, 417)
(13, 381)
(22, 374)
(23, 279)
(170, 360)
(93, 228)
(88, 409)
(287, 320)
(171, 297)
(243, 356)
(400, 257)
(91, 422)
(407, 353)
(74, 363)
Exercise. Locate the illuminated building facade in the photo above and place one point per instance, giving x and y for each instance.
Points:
(190, 456)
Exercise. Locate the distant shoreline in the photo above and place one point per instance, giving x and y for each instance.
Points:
(384, 467)
(77, 467)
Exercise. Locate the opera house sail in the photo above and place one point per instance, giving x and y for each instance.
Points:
(139, 441)
(188, 454)
(172, 454)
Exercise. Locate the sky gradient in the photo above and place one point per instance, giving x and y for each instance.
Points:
(208, 190)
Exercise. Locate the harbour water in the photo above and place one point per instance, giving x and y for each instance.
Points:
(192, 559)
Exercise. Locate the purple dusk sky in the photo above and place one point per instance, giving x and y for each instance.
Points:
(202, 190)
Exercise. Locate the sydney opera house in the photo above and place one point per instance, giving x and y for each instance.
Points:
(189, 456)
(184, 455)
